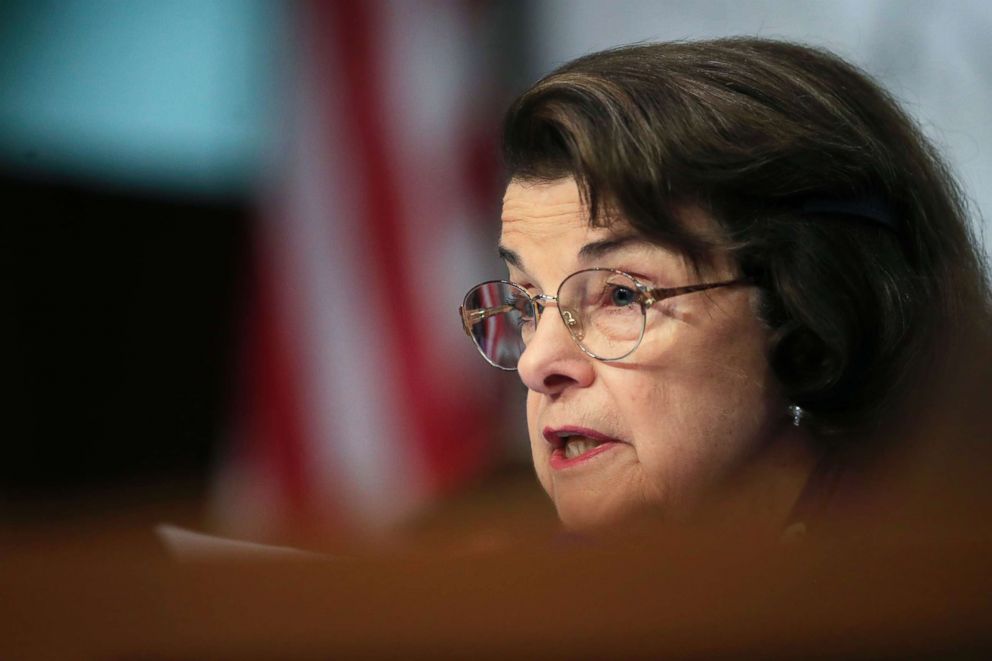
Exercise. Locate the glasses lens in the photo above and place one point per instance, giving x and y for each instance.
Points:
(602, 309)
(500, 317)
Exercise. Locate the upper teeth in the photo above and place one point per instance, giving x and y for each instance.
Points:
(578, 445)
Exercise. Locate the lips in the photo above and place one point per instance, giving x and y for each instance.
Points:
(572, 446)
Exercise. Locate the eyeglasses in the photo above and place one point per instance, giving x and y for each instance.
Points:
(604, 310)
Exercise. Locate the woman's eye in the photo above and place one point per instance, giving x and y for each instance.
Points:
(620, 296)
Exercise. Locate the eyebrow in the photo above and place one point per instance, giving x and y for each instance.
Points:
(510, 257)
(588, 252)
(598, 249)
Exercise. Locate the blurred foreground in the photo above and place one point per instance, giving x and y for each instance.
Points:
(488, 576)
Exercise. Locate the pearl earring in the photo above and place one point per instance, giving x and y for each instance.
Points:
(797, 413)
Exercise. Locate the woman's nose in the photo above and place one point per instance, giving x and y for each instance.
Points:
(552, 361)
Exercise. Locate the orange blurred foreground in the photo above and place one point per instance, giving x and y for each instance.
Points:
(109, 592)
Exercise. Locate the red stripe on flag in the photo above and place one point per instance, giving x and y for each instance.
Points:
(274, 412)
(433, 433)
(437, 423)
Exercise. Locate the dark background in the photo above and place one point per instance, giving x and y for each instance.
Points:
(119, 336)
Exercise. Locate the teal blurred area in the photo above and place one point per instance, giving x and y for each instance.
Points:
(173, 96)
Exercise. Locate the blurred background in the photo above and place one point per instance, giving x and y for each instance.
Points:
(236, 232)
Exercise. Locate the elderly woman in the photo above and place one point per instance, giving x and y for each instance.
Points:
(731, 266)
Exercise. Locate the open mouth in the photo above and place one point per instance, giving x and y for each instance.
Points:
(574, 445)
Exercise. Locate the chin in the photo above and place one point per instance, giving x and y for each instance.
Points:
(577, 515)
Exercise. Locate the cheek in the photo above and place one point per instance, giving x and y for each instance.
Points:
(703, 409)
(716, 364)
(691, 439)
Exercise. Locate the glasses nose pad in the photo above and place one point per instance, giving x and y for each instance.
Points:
(572, 322)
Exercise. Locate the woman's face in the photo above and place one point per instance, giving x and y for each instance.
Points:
(666, 426)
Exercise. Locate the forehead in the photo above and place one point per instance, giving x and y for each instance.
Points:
(542, 202)
(546, 226)
(543, 212)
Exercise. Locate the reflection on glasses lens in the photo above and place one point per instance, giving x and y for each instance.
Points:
(501, 315)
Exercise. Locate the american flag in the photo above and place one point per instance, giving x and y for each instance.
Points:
(362, 400)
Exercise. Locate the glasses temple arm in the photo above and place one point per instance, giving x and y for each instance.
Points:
(662, 293)
(472, 317)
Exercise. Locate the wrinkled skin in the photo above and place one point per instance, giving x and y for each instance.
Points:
(695, 407)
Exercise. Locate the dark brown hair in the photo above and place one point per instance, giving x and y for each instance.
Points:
(752, 131)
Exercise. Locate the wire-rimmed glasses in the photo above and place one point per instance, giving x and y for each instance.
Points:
(604, 310)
